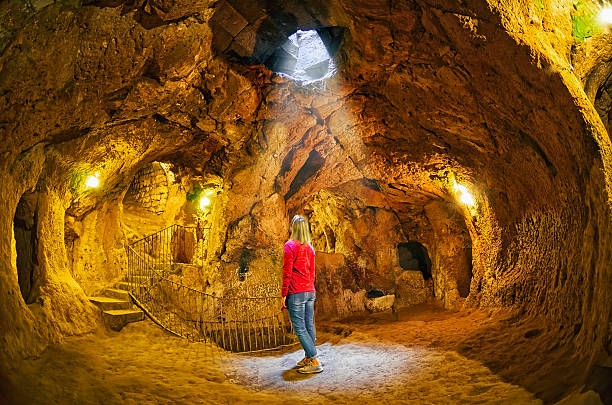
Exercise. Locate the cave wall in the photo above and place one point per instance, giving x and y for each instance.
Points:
(20, 332)
(59, 301)
(450, 248)
(427, 93)
(95, 247)
(57, 304)
(530, 228)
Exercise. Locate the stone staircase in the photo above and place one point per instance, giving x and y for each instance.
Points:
(117, 308)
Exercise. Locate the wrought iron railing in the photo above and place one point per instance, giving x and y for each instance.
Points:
(173, 244)
(237, 324)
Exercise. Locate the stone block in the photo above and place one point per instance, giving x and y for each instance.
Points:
(412, 288)
(303, 18)
(244, 44)
(268, 38)
(410, 278)
(380, 304)
(117, 319)
(249, 10)
(221, 39)
(108, 303)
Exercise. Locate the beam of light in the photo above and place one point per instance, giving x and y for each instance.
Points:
(605, 15)
(92, 181)
(204, 202)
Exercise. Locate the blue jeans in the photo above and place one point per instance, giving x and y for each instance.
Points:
(301, 313)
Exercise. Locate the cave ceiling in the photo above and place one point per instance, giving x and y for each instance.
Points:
(424, 90)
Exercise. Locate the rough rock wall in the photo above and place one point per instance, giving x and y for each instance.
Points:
(67, 144)
(19, 335)
(95, 245)
(450, 254)
(521, 134)
(59, 302)
(429, 92)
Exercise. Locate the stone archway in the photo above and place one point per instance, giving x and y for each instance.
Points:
(26, 242)
(413, 256)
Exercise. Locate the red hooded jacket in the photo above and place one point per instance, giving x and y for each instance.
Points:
(298, 268)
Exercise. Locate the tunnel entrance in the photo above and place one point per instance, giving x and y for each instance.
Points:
(464, 280)
(414, 256)
(26, 242)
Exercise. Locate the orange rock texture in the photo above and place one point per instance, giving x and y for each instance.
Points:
(429, 94)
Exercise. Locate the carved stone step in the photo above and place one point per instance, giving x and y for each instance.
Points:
(107, 303)
(118, 294)
(117, 319)
(125, 286)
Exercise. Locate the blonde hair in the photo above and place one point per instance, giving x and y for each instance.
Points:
(299, 229)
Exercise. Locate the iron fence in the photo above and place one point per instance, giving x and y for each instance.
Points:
(173, 244)
(237, 324)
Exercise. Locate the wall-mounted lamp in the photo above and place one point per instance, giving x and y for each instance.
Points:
(204, 202)
(605, 15)
(92, 181)
(205, 199)
(464, 196)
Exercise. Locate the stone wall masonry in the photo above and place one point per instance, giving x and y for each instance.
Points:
(150, 188)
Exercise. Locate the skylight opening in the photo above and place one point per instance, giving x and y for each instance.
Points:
(307, 57)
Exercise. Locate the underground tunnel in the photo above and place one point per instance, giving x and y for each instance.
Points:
(452, 160)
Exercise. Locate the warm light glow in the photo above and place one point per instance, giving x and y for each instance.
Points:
(465, 197)
(92, 181)
(204, 202)
(605, 15)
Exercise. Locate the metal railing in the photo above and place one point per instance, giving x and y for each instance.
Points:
(173, 244)
(237, 324)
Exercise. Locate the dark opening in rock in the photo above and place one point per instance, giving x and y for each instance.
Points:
(464, 279)
(330, 238)
(374, 293)
(414, 256)
(26, 242)
(245, 259)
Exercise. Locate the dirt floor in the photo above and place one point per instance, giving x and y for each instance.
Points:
(373, 359)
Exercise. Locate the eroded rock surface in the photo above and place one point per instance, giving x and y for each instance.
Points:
(428, 96)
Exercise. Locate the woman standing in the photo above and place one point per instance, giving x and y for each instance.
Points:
(298, 291)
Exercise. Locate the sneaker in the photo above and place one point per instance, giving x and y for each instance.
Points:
(312, 367)
(303, 362)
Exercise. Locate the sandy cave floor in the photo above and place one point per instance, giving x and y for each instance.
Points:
(369, 360)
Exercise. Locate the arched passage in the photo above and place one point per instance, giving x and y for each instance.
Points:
(26, 242)
(413, 256)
